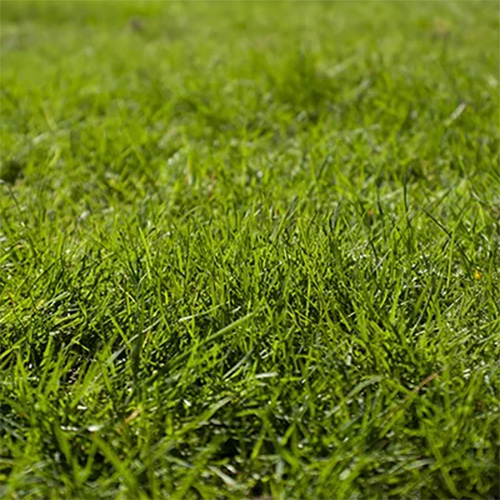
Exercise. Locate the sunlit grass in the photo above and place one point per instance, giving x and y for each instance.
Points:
(249, 250)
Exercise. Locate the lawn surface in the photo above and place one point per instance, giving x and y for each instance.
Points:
(249, 250)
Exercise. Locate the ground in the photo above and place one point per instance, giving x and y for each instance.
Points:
(249, 250)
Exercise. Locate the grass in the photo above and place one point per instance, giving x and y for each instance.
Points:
(249, 250)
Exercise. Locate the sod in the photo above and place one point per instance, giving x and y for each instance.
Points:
(249, 250)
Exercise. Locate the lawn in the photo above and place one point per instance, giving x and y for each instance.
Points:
(250, 250)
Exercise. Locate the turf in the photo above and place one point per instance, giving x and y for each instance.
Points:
(249, 250)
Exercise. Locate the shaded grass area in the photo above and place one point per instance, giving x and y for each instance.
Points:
(249, 249)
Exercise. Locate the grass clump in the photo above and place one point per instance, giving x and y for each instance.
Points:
(249, 250)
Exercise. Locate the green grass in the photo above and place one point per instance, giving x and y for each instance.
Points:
(249, 250)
